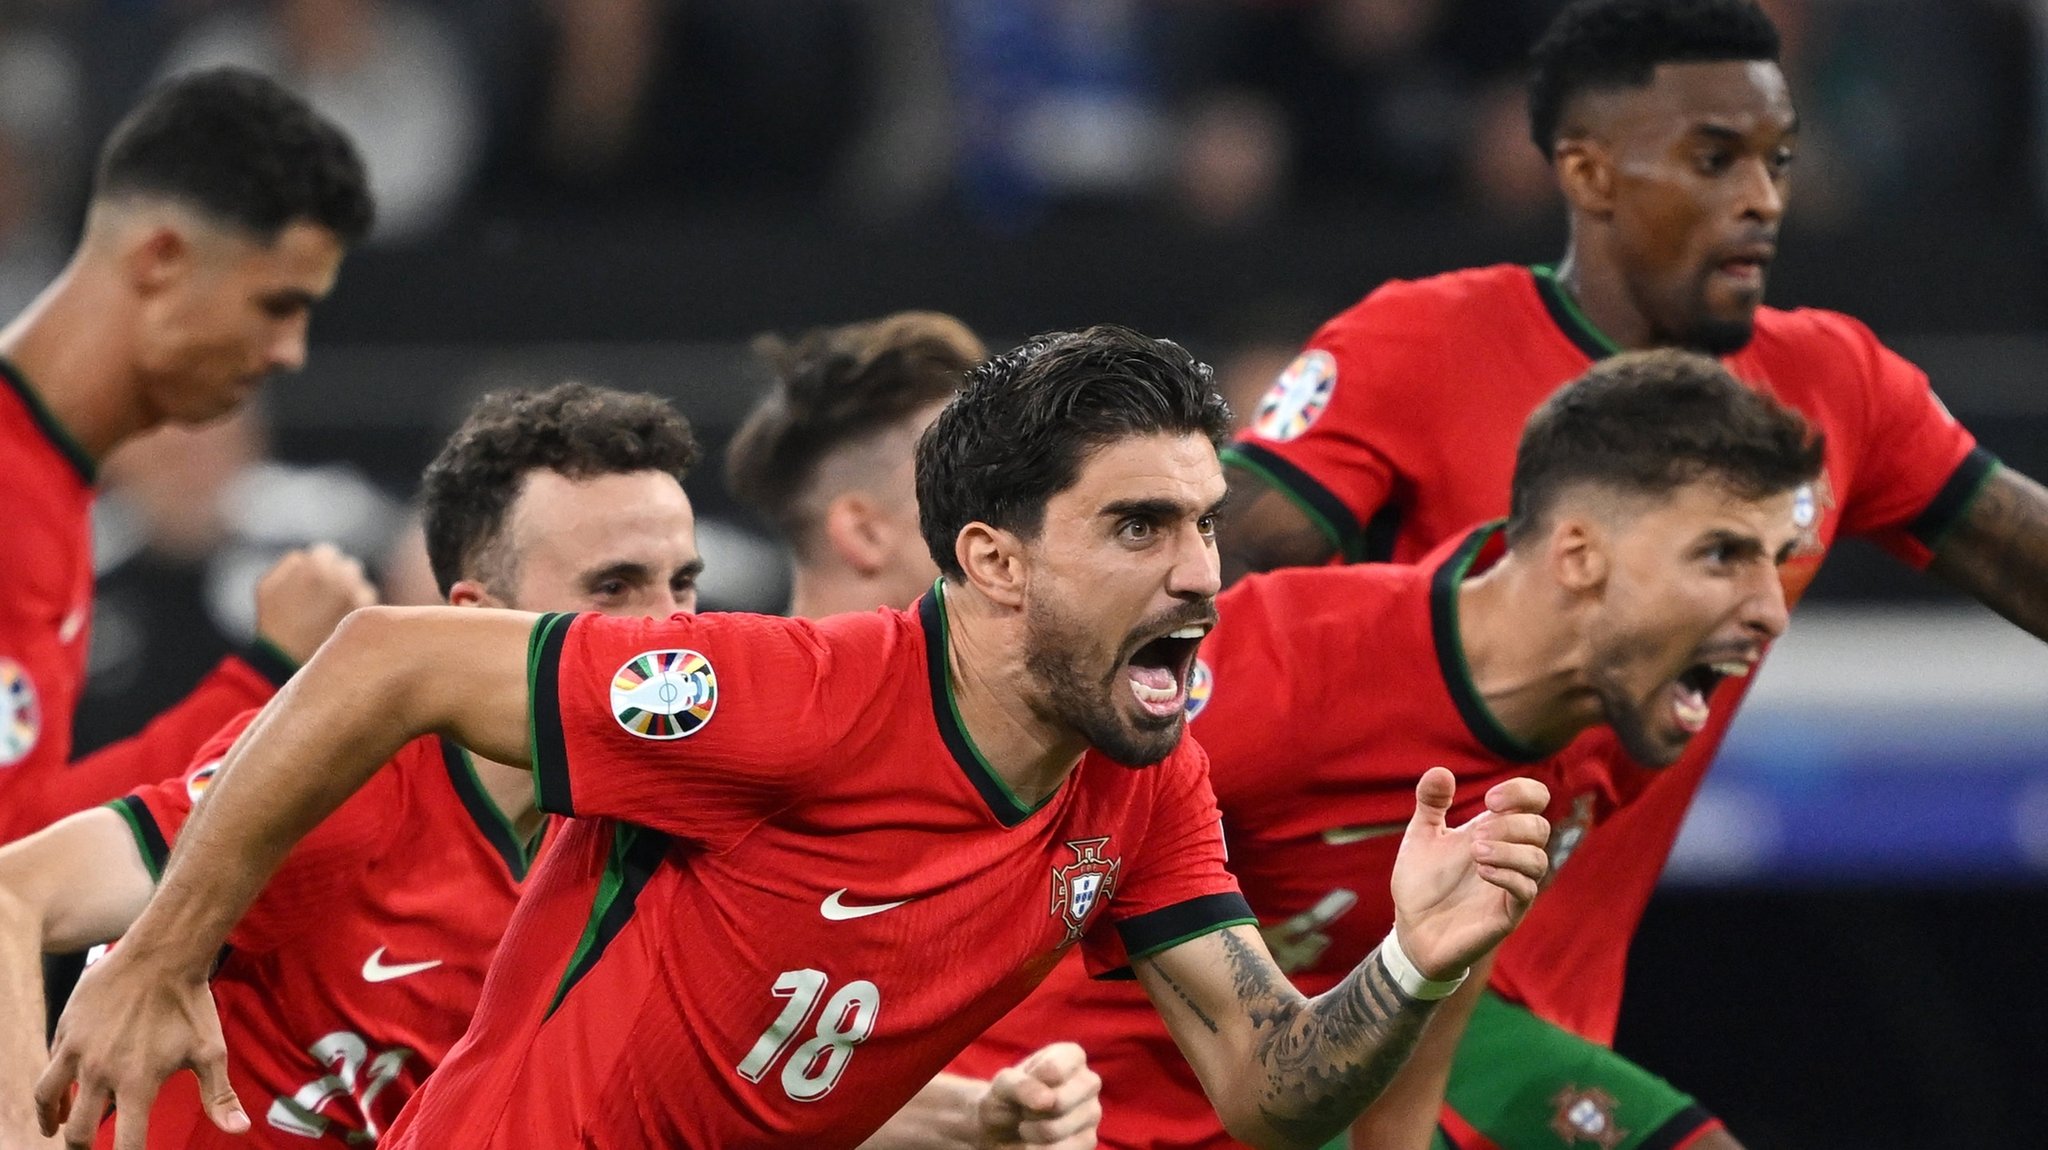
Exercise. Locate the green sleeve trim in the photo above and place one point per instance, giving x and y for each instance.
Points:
(1951, 505)
(547, 746)
(149, 838)
(1192, 935)
(1324, 510)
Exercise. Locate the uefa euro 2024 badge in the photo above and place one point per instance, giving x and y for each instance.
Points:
(21, 713)
(1298, 398)
(664, 694)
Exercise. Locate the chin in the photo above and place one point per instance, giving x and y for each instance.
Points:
(1722, 336)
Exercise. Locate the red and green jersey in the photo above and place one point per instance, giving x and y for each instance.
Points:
(1397, 427)
(1321, 697)
(792, 888)
(362, 960)
(46, 491)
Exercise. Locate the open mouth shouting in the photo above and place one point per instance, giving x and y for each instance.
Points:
(1158, 669)
(1695, 685)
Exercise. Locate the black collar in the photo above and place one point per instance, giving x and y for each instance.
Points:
(1450, 649)
(1002, 802)
(59, 438)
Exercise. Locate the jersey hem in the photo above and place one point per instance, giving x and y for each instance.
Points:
(1163, 929)
(1324, 510)
(1680, 1130)
(149, 837)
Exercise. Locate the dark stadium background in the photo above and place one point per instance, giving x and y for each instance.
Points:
(1852, 947)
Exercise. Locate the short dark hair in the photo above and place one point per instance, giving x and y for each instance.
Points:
(242, 149)
(1606, 44)
(1019, 432)
(1650, 422)
(835, 386)
(573, 429)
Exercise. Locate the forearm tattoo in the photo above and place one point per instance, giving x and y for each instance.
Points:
(1327, 1057)
(1998, 550)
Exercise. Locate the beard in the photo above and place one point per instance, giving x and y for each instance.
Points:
(1054, 647)
(1719, 337)
(1633, 726)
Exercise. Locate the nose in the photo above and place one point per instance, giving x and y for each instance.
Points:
(1197, 572)
(1767, 613)
(1763, 193)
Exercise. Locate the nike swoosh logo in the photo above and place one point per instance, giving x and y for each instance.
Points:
(836, 911)
(1345, 836)
(374, 969)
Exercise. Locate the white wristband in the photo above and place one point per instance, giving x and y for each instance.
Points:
(1403, 971)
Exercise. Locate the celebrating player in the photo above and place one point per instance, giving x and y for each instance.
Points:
(853, 843)
(826, 455)
(1672, 135)
(361, 962)
(1652, 502)
(219, 214)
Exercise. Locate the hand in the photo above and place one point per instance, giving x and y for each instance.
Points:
(1459, 890)
(1050, 1099)
(302, 598)
(128, 1027)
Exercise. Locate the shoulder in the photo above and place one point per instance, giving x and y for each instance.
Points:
(1395, 307)
(1297, 600)
(1812, 335)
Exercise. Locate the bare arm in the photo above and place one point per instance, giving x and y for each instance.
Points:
(1998, 550)
(1405, 1116)
(74, 884)
(1264, 529)
(389, 674)
(1287, 1071)
(943, 1116)
(1049, 1100)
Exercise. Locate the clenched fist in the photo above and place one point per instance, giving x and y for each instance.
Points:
(303, 597)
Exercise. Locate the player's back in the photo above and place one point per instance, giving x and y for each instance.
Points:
(361, 962)
(826, 890)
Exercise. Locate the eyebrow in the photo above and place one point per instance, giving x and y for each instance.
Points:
(1723, 133)
(1153, 509)
(298, 297)
(638, 572)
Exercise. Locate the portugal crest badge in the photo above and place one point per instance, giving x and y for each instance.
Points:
(1081, 884)
(1586, 1116)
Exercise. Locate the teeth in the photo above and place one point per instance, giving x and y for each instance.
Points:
(1735, 669)
(1154, 694)
(1191, 631)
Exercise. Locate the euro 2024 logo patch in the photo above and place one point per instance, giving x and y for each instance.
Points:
(1078, 886)
(664, 694)
(1298, 398)
(1201, 684)
(21, 713)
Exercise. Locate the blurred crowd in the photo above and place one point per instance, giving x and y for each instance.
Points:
(1225, 113)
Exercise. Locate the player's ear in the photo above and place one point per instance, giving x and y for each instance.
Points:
(993, 560)
(470, 593)
(854, 531)
(1585, 173)
(1578, 554)
(158, 257)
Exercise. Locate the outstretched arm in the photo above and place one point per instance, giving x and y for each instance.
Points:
(1998, 550)
(1405, 1116)
(74, 884)
(387, 676)
(1287, 1071)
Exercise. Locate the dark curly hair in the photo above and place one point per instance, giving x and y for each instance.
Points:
(242, 149)
(834, 387)
(1028, 419)
(1650, 422)
(573, 429)
(1604, 44)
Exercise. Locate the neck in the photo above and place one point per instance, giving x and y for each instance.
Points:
(816, 592)
(512, 790)
(1030, 752)
(1528, 659)
(1597, 286)
(76, 361)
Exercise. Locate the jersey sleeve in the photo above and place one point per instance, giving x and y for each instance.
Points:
(697, 726)
(165, 748)
(1918, 469)
(1175, 888)
(1318, 435)
(157, 811)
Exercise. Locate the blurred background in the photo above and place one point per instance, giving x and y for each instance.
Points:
(1850, 947)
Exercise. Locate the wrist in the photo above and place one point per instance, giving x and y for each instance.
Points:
(1409, 978)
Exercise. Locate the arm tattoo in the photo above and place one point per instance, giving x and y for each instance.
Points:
(1327, 1057)
(1998, 550)
(1200, 1015)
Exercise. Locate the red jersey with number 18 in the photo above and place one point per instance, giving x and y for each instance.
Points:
(793, 888)
(360, 963)
(1321, 697)
(1397, 427)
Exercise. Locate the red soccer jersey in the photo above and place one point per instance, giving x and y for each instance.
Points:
(362, 960)
(1321, 697)
(46, 493)
(1397, 427)
(822, 895)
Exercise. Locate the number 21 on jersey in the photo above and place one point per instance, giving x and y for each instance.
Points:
(845, 1022)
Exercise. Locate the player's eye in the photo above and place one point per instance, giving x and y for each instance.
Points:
(1713, 162)
(610, 588)
(1781, 161)
(1135, 530)
(1207, 525)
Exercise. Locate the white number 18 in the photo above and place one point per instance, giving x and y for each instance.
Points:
(845, 1022)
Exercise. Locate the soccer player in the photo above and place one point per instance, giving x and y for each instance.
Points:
(807, 862)
(361, 962)
(826, 455)
(219, 214)
(1652, 502)
(1672, 136)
